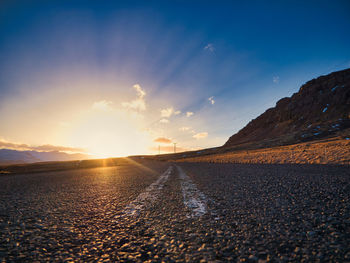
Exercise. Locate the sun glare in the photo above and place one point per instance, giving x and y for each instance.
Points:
(110, 134)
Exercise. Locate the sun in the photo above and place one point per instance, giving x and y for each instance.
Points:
(110, 134)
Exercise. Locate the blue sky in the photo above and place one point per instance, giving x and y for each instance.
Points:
(223, 61)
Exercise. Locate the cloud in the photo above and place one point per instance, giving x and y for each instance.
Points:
(164, 121)
(140, 92)
(276, 79)
(163, 140)
(210, 47)
(139, 103)
(211, 99)
(189, 113)
(184, 128)
(200, 135)
(102, 105)
(40, 148)
(167, 112)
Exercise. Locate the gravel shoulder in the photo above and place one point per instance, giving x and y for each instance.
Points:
(327, 151)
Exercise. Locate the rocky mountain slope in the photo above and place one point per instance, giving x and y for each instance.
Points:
(320, 109)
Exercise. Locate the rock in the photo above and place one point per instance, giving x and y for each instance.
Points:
(325, 99)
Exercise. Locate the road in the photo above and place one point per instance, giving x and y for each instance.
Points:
(147, 211)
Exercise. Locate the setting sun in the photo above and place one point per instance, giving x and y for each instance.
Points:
(106, 131)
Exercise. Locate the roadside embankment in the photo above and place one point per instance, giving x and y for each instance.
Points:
(334, 151)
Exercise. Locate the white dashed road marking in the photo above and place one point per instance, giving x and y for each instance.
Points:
(193, 199)
(148, 196)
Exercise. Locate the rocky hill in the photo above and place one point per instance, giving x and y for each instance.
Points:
(320, 109)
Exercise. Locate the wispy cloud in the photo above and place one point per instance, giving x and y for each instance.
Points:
(140, 92)
(102, 105)
(139, 103)
(189, 113)
(167, 112)
(41, 148)
(164, 120)
(185, 128)
(276, 79)
(163, 140)
(211, 100)
(200, 135)
(210, 47)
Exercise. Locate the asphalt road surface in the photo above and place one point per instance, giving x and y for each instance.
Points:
(149, 211)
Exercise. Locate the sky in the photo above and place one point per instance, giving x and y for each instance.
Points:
(116, 78)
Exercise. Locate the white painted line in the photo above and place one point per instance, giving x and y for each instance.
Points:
(194, 199)
(148, 196)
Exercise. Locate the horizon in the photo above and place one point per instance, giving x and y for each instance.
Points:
(119, 79)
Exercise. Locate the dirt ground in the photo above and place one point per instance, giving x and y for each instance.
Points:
(334, 151)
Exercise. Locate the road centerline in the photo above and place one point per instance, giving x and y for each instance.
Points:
(149, 195)
(193, 198)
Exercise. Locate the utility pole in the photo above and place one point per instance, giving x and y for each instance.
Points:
(174, 147)
(158, 149)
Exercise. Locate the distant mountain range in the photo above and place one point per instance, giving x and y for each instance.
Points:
(321, 108)
(14, 157)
